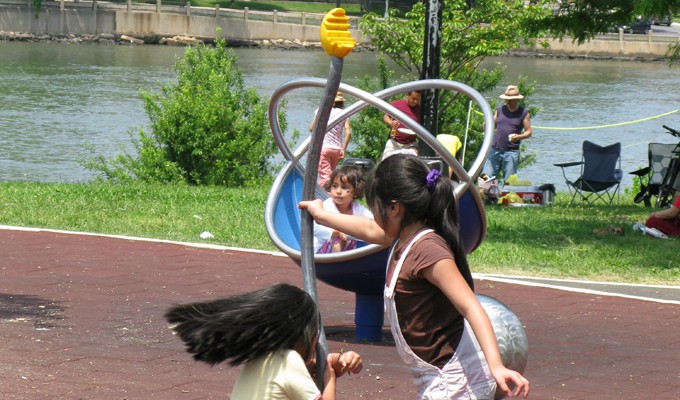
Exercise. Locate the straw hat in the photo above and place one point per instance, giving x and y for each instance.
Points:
(339, 98)
(511, 93)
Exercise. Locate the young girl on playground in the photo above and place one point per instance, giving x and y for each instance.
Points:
(273, 331)
(345, 185)
(442, 332)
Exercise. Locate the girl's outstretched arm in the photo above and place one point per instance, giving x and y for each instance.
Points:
(362, 228)
(445, 275)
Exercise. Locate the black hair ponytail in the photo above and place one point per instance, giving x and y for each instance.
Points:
(429, 200)
(247, 326)
(442, 216)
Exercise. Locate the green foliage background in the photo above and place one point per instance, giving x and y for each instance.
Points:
(469, 35)
(207, 128)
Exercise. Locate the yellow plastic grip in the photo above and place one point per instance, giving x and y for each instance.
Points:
(336, 39)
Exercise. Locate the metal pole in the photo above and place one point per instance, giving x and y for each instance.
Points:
(431, 65)
(467, 128)
(308, 193)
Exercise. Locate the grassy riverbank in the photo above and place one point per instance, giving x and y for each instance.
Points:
(557, 241)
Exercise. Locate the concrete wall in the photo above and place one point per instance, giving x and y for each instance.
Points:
(56, 21)
(85, 17)
(136, 23)
(606, 46)
(81, 18)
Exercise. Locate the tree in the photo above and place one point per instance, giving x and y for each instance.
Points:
(474, 30)
(583, 19)
(206, 128)
(369, 132)
(468, 36)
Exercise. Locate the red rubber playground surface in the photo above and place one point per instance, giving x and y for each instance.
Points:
(81, 318)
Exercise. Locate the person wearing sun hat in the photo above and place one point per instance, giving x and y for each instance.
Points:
(513, 124)
(334, 147)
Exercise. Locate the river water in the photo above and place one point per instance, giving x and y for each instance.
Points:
(58, 97)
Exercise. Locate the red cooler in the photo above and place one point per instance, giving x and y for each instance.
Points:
(528, 194)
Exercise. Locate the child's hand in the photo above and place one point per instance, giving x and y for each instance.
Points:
(507, 378)
(337, 234)
(346, 362)
(351, 362)
(313, 206)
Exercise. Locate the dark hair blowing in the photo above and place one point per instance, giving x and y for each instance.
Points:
(350, 174)
(402, 178)
(247, 326)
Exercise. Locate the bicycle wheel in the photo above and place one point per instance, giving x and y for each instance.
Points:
(666, 190)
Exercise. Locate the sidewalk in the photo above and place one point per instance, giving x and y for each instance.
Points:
(81, 318)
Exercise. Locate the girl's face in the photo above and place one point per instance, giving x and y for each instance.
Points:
(342, 193)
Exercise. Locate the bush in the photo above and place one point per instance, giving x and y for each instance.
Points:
(206, 129)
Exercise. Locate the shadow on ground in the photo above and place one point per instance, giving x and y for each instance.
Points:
(42, 312)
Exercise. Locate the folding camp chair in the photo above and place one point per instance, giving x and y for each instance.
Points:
(659, 155)
(600, 174)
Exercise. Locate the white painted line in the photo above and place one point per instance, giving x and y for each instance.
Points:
(141, 239)
(520, 277)
(513, 279)
(520, 281)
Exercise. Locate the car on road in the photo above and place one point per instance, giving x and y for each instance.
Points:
(666, 19)
(639, 25)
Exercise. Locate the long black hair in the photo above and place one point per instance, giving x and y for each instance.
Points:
(403, 178)
(247, 326)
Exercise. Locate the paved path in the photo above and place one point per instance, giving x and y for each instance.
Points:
(81, 318)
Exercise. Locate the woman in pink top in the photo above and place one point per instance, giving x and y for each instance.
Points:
(334, 147)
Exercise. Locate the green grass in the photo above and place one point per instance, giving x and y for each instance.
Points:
(557, 241)
(234, 216)
(575, 242)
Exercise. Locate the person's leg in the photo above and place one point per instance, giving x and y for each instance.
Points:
(326, 165)
(510, 163)
(668, 226)
(334, 158)
(492, 165)
(390, 148)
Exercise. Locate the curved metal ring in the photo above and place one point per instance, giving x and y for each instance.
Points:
(377, 100)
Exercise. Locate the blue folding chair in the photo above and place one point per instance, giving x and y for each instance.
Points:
(601, 174)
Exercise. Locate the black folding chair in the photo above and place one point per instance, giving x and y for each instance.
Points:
(659, 155)
(600, 174)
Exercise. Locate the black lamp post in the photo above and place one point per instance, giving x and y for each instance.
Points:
(431, 63)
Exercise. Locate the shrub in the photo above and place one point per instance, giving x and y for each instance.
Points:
(207, 128)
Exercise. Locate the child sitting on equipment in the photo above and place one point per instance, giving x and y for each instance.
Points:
(273, 331)
(345, 186)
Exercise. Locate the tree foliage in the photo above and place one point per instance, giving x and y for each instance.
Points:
(472, 30)
(583, 19)
(369, 132)
(469, 35)
(206, 128)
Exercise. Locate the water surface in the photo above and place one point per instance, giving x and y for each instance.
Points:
(56, 97)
